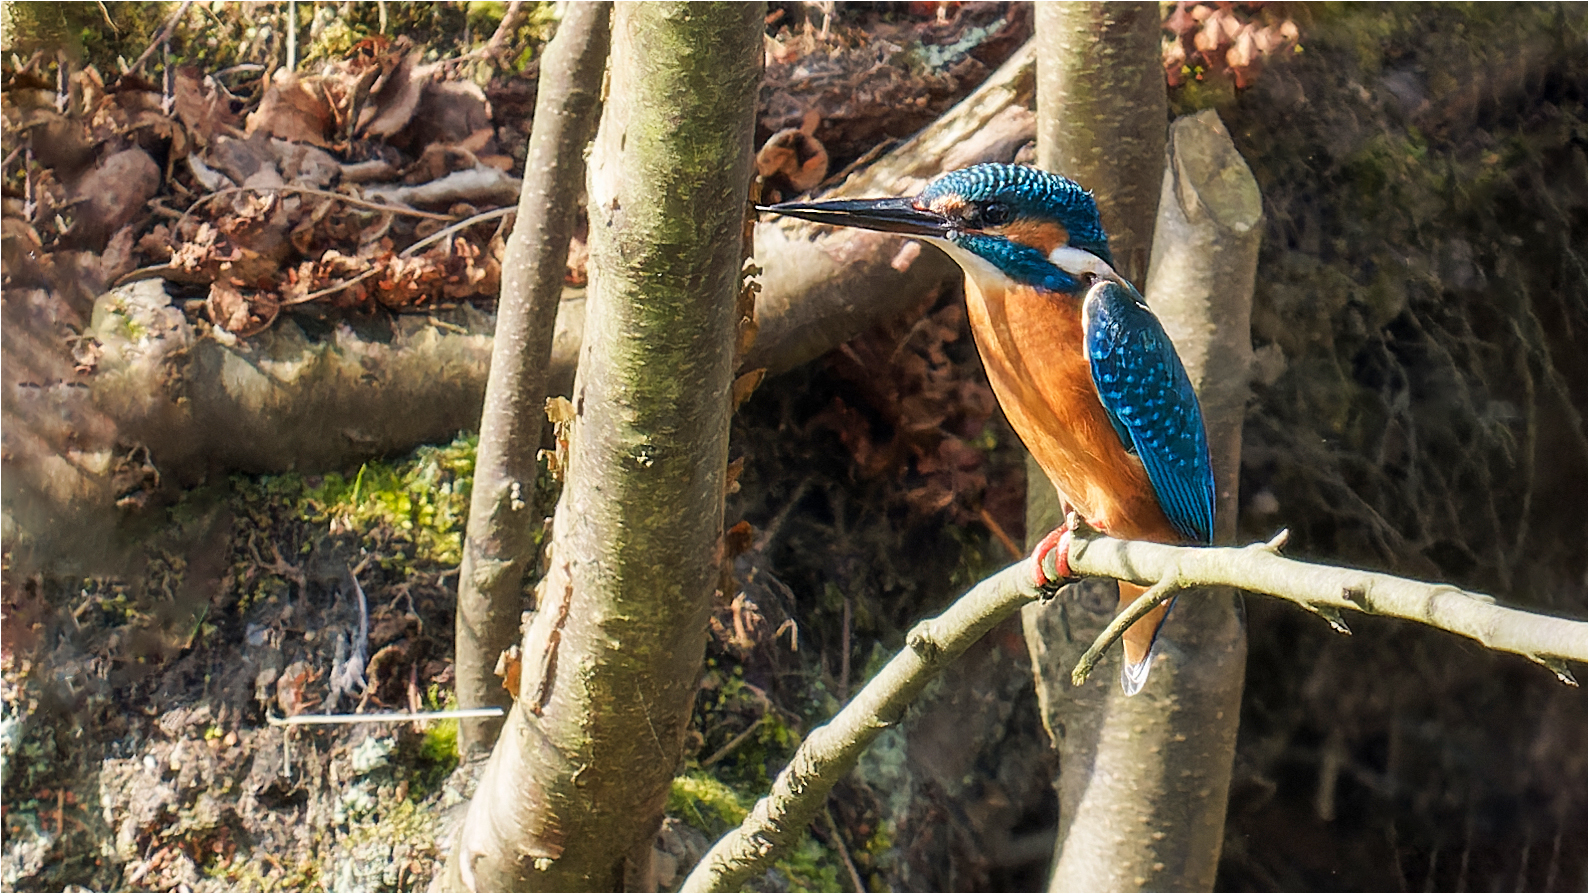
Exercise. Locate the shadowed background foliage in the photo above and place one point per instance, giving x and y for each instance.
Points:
(1419, 322)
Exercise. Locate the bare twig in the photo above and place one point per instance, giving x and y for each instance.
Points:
(840, 846)
(292, 35)
(800, 791)
(395, 717)
(499, 38)
(1153, 597)
(440, 234)
(162, 37)
(510, 18)
(735, 742)
(498, 546)
(308, 191)
(464, 224)
(331, 290)
(844, 651)
(348, 673)
(775, 524)
(999, 532)
(477, 185)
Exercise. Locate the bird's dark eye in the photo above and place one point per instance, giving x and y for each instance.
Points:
(995, 214)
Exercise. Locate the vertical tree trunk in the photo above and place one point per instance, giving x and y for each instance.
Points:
(499, 543)
(1143, 781)
(1101, 114)
(579, 778)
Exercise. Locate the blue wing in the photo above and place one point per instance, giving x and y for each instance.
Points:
(1150, 401)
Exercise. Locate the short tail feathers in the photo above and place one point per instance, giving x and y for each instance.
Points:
(1139, 641)
(1135, 676)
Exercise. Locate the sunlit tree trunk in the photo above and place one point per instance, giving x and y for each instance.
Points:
(1143, 781)
(575, 788)
(499, 544)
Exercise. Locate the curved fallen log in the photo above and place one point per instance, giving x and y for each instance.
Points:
(166, 405)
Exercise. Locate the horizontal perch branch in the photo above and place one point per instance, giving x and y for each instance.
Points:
(1325, 591)
(801, 789)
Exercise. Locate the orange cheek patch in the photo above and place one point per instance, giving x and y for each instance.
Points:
(1043, 235)
(948, 206)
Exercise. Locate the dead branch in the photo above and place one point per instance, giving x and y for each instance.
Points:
(162, 37)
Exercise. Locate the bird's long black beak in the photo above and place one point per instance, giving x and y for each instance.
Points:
(887, 215)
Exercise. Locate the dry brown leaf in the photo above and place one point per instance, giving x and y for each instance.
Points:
(305, 165)
(731, 477)
(1181, 22)
(578, 257)
(1243, 58)
(294, 109)
(510, 666)
(746, 384)
(227, 307)
(238, 313)
(23, 253)
(1174, 63)
(155, 245)
(745, 337)
(204, 109)
(738, 539)
(560, 412)
(450, 113)
(158, 134)
(240, 159)
(393, 98)
(439, 160)
(792, 162)
(57, 142)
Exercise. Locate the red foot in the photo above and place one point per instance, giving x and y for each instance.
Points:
(1056, 543)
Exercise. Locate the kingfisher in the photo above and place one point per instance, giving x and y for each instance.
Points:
(1082, 368)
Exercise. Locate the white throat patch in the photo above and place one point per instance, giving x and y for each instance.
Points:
(1077, 262)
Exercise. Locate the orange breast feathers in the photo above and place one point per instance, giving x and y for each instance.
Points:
(1031, 346)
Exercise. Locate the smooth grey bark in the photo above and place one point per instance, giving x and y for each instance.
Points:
(1205, 260)
(1101, 114)
(499, 542)
(1101, 111)
(1143, 781)
(575, 788)
(1096, 62)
